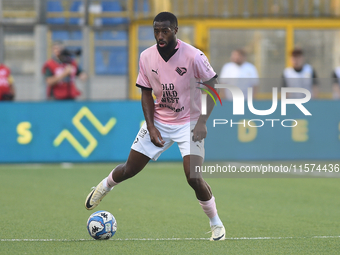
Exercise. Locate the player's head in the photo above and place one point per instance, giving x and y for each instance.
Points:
(238, 56)
(57, 47)
(165, 27)
(297, 58)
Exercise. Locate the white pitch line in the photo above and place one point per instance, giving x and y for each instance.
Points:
(166, 239)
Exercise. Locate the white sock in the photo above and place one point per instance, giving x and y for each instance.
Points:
(105, 185)
(209, 207)
(215, 221)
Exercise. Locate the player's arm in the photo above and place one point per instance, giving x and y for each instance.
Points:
(336, 87)
(148, 106)
(52, 80)
(200, 130)
(205, 72)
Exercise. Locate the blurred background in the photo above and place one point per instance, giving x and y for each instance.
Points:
(102, 123)
(112, 33)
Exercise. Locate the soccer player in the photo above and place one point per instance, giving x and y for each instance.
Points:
(166, 69)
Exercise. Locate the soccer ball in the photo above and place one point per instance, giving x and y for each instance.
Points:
(101, 225)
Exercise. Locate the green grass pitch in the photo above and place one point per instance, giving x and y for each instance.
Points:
(298, 215)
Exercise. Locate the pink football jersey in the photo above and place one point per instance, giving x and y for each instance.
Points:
(174, 82)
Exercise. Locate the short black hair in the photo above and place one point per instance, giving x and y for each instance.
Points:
(166, 16)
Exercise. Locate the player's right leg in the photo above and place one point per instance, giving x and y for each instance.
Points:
(142, 150)
(134, 164)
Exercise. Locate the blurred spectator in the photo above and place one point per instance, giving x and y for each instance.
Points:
(240, 73)
(7, 91)
(336, 83)
(300, 75)
(60, 73)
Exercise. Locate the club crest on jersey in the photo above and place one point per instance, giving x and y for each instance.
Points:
(181, 70)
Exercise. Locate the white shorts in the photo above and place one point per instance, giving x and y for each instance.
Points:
(181, 134)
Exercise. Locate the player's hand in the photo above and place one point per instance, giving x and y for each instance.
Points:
(199, 132)
(156, 137)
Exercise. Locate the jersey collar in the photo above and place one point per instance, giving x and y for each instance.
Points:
(166, 59)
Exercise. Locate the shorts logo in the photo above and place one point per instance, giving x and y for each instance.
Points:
(181, 70)
(142, 133)
(136, 141)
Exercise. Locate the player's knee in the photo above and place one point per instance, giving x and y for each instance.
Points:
(195, 183)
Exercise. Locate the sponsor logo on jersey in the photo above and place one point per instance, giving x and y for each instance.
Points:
(142, 132)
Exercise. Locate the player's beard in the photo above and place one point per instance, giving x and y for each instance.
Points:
(168, 48)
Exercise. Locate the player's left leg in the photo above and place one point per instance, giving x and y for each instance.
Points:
(204, 195)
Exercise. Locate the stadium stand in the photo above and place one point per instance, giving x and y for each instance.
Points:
(64, 35)
(111, 60)
(112, 6)
(312, 25)
(55, 6)
(111, 52)
(76, 8)
(19, 11)
(111, 35)
(142, 7)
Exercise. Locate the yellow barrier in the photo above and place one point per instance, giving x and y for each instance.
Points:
(19, 14)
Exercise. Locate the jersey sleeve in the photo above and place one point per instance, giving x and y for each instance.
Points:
(142, 79)
(203, 69)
